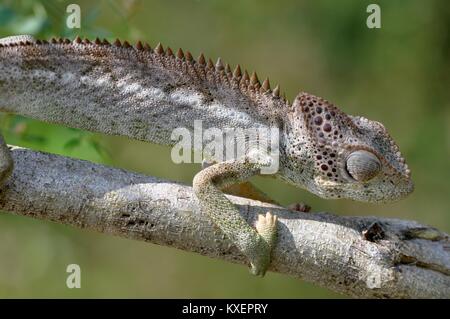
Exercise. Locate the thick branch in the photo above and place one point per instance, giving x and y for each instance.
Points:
(357, 256)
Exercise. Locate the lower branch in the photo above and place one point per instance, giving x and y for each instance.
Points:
(358, 256)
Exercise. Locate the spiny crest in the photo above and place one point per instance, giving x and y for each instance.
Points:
(245, 78)
(159, 49)
(201, 59)
(265, 86)
(169, 52)
(139, 46)
(189, 57)
(228, 69)
(276, 90)
(219, 65)
(254, 79)
(242, 78)
(210, 64)
(237, 72)
(180, 54)
(19, 40)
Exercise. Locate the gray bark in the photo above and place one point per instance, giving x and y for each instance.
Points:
(370, 257)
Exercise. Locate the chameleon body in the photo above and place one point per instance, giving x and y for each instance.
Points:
(146, 93)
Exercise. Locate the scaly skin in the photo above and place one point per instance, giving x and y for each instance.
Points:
(146, 93)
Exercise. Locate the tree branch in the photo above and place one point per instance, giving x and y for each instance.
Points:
(357, 256)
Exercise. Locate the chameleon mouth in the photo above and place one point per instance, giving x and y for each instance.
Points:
(397, 195)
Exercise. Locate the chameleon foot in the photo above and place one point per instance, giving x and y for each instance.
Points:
(267, 229)
(300, 207)
(266, 225)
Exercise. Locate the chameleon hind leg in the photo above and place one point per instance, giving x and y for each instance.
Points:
(248, 190)
(6, 162)
(255, 244)
(244, 189)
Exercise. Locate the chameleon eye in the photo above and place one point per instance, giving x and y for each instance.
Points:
(362, 165)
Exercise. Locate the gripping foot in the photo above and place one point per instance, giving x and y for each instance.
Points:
(266, 227)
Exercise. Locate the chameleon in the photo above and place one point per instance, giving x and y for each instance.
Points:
(144, 93)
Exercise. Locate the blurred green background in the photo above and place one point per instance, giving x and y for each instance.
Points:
(398, 75)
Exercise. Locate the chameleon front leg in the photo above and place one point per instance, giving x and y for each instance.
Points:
(257, 244)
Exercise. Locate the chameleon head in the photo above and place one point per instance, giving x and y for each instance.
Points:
(346, 156)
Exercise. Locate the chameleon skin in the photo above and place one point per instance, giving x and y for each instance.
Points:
(145, 93)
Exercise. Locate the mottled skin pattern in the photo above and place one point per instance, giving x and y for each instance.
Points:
(145, 93)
